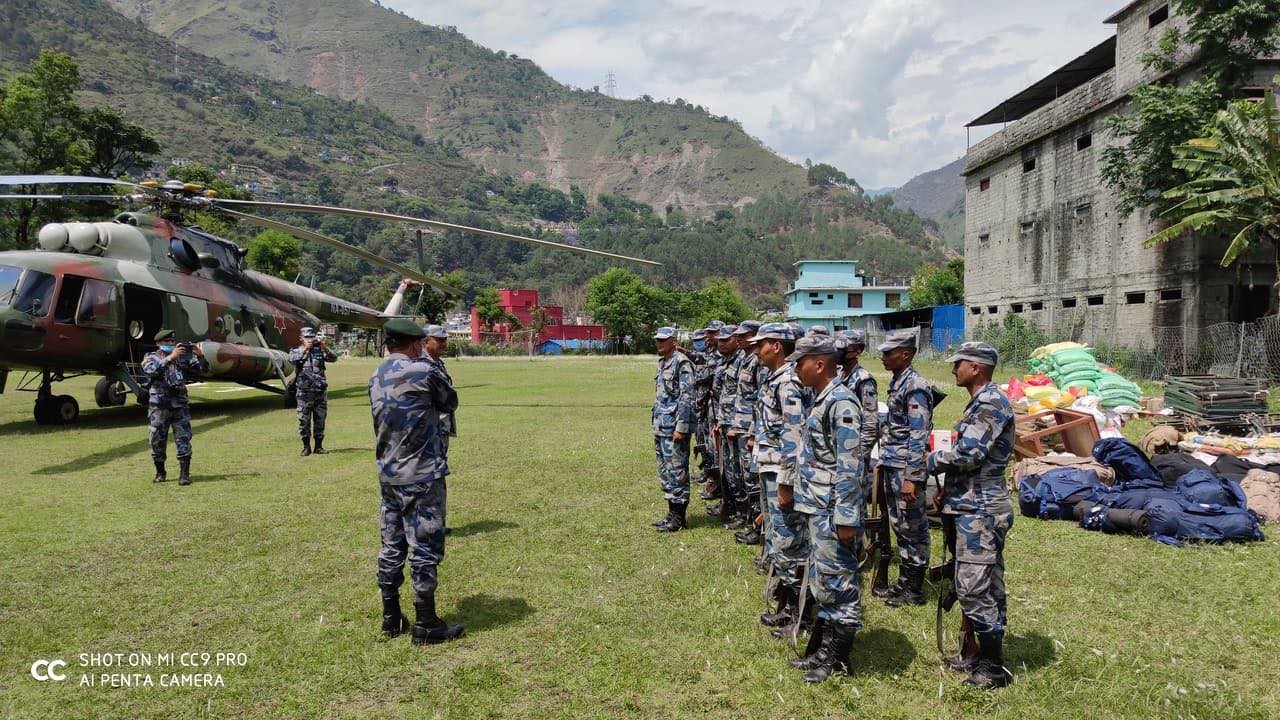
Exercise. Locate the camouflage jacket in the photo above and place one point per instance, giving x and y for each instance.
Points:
(749, 381)
(406, 421)
(975, 464)
(726, 398)
(863, 385)
(830, 468)
(904, 437)
(311, 367)
(779, 424)
(169, 378)
(673, 396)
(705, 364)
(447, 419)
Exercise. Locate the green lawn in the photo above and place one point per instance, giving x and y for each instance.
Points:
(574, 606)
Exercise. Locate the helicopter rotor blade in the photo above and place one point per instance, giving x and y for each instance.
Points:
(430, 223)
(372, 258)
(62, 180)
(87, 198)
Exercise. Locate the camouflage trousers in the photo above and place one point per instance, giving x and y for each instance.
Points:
(159, 419)
(908, 520)
(313, 410)
(730, 468)
(708, 452)
(786, 535)
(980, 538)
(673, 468)
(412, 527)
(833, 574)
(748, 479)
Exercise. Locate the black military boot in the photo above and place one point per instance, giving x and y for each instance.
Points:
(713, 489)
(788, 601)
(740, 516)
(990, 672)
(161, 475)
(817, 638)
(750, 536)
(665, 519)
(911, 589)
(676, 520)
(320, 446)
(393, 621)
(714, 510)
(306, 447)
(184, 475)
(429, 628)
(889, 590)
(833, 656)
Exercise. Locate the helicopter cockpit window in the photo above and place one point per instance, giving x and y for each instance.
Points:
(35, 293)
(9, 276)
(97, 305)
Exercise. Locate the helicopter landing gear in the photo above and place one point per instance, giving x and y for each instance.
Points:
(53, 409)
(110, 392)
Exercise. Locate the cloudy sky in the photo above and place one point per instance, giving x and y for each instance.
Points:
(881, 89)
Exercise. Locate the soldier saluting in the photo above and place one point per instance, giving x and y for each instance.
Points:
(974, 496)
(313, 388)
(170, 367)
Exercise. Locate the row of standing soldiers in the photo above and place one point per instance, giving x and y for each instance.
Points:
(785, 421)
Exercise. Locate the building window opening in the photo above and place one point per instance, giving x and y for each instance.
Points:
(984, 237)
(1016, 307)
(1085, 210)
(1253, 94)
(1037, 305)
(1135, 298)
(984, 184)
(1084, 141)
(892, 300)
(855, 300)
(975, 310)
(1028, 165)
(1171, 294)
(1068, 302)
(991, 309)
(1160, 15)
(1094, 300)
(816, 302)
(1028, 226)
(813, 296)
(831, 297)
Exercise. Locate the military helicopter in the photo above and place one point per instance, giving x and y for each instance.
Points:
(90, 299)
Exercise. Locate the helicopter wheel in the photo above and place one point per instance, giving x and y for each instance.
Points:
(57, 410)
(110, 393)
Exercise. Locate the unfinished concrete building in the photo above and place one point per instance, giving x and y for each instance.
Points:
(1043, 238)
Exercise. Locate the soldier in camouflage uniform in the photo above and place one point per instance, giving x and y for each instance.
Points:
(724, 397)
(829, 492)
(435, 346)
(673, 421)
(705, 356)
(407, 397)
(170, 367)
(309, 359)
(779, 434)
(974, 494)
(850, 344)
(904, 443)
(744, 409)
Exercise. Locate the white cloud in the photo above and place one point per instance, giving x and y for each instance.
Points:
(880, 88)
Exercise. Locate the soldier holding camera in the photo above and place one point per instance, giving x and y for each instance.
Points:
(313, 388)
(170, 367)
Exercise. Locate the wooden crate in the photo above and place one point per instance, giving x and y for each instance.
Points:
(1055, 430)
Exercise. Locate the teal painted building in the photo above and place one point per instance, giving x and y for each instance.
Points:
(832, 293)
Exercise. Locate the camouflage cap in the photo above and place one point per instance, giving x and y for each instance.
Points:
(715, 325)
(747, 327)
(812, 345)
(403, 327)
(898, 339)
(700, 334)
(818, 330)
(164, 333)
(666, 332)
(308, 332)
(846, 339)
(727, 330)
(773, 331)
(979, 352)
(436, 331)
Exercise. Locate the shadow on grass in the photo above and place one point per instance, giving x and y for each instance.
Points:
(1028, 652)
(222, 477)
(558, 405)
(882, 652)
(479, 527)
(485, 612)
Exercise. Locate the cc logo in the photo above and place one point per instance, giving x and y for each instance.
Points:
(48, 670)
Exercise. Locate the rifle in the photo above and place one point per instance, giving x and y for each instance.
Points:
(877, 544)
(952, 642)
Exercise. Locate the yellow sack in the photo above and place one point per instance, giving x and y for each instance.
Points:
(1045, 351)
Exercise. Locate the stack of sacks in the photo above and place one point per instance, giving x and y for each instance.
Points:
(1116, 390)
(1072, 367)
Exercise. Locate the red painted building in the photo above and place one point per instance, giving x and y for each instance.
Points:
(521, 304)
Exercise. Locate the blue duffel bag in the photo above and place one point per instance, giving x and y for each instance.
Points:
(1053, 494)
(1171, 523)
(1133, 469)
(1137, 498)
(1203, 486)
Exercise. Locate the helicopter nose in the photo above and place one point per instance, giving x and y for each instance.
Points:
(18, 333)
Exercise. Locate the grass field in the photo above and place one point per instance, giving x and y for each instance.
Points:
(574, 606)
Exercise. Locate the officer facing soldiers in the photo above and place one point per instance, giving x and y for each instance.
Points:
(975, 499)
(313, 388)
(829, 492)
(407, 398)
(779, 434)
(850, 344)
(170, 367)
(904, 442)
(673, 422)
(434, 346)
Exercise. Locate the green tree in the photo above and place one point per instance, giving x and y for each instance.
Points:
(625, 305)
(275, 253)
(933, 285)
(434, 306)
(1234, 185)
(717, 301)
(1227, 36)
(116, 144)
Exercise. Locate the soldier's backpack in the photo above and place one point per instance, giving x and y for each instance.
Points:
(1054, 494)
(1133, 470)
(1172, 524)
(1202, 486)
